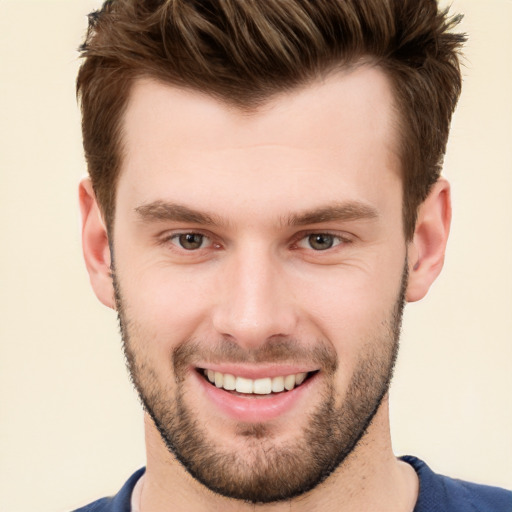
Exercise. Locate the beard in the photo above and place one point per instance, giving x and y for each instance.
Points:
(265, 470)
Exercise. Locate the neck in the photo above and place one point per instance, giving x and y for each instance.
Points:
(371, 478)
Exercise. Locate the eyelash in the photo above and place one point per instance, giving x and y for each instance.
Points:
(341, 240)
(174, 239)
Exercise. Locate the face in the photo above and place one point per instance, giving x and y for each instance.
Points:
(260, 269)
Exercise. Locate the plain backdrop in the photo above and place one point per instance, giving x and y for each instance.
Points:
(70, 424)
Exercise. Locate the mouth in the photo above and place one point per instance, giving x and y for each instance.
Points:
(262, 386)
(257, 394)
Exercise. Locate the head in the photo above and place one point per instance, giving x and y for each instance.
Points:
(244, 53)
(263, 173)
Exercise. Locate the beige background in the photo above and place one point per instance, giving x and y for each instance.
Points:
(70, 425)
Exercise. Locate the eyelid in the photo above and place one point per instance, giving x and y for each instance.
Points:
(344, 238)
(170, 237)
(205, 241)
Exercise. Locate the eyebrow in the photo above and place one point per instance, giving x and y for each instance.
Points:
(350, 211)
(164, 211)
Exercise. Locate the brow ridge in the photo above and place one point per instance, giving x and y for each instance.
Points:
(166, 211)
(349, 211)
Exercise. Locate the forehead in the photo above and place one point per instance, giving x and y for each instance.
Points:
(330, 137)
(336, 101)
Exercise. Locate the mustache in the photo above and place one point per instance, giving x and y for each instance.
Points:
(278, 349)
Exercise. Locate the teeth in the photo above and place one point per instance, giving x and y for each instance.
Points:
(229, 382)
(263, 386)
(299, 378)
(244, 385)
(289, 382)
(278, 384)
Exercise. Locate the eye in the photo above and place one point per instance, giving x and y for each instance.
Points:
(320, 241)
(190, 241)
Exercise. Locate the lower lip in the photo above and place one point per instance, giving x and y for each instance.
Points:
(255, 408)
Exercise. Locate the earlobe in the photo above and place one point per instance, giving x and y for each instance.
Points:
(95, 245)
(426, 250)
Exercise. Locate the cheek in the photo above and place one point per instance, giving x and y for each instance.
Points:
(351, 302)
(163, 308)
(353, 311)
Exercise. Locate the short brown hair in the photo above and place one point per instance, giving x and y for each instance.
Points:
(244, 51)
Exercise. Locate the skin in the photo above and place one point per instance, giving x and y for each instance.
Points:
(256, 278)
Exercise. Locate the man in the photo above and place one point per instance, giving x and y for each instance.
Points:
(264, 196)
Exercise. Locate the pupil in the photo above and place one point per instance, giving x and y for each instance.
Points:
(191, 241)
(321, 242)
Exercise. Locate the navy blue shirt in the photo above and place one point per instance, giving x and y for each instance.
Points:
(437, 494)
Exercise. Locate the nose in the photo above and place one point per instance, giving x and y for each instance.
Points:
(254, 302)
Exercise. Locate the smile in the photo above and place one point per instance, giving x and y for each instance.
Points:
(256, 394)
(261, 386)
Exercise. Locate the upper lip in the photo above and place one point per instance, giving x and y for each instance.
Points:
(257, 371)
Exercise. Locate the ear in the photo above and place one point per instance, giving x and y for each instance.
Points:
(95, 246)
(426, 250)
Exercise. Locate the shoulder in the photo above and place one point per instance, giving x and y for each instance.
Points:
(103, 505)
(440, 493)
(118, 503)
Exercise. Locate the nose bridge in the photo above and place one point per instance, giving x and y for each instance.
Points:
(253, 304)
